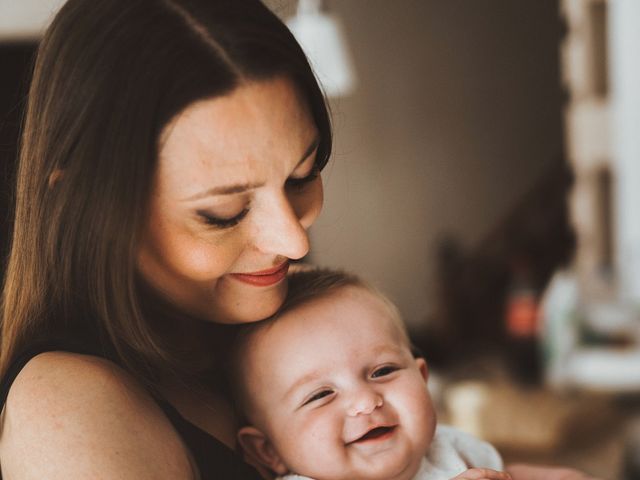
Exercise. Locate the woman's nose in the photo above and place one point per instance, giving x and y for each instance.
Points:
(364, 401)
(283, 231)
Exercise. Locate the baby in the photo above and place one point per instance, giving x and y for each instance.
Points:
(329, 389)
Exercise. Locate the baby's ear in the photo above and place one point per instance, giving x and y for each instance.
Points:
(260, 451)
(422, 366)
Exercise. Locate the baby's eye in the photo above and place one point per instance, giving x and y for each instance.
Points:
(318, 396)
(383, 371)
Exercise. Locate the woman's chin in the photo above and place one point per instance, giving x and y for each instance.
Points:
(249, 304)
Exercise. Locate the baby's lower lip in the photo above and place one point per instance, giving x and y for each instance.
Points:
(376, 435)
(263, 280)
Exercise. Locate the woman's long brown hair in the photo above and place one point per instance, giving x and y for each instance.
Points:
(108, 76)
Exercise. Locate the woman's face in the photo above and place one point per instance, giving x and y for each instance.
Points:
(235, 191)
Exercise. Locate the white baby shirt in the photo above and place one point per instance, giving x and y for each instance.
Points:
(451, 453)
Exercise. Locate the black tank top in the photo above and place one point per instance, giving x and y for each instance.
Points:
(214, 459)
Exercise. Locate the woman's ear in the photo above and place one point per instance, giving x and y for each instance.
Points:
(55, 176)
(259, 450)
(422, 366)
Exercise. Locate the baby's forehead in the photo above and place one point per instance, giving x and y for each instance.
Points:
(380, 307)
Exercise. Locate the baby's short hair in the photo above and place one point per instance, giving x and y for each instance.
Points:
(314, 283)
(304, 286)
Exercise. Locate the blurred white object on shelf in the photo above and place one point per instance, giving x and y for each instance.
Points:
(570, 362)
(618, 321)
(559, 326)
(605, 369)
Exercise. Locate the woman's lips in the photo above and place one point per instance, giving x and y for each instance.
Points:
(263, 278)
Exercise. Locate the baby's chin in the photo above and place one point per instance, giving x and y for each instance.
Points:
(404, 472)
(388, 469)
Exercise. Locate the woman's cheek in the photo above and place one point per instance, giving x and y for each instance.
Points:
(210, 259)
(311, 204)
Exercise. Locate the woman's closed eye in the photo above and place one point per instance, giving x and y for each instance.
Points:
(298, 184)
(223, 222)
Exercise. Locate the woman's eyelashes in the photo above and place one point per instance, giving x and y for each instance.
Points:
(223, 222)
(300, 183)
(293, 183)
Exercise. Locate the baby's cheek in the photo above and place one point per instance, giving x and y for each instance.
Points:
(426, 419)
(419, 412)
(314, 445)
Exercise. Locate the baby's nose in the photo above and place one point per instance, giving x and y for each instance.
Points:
(364, 402)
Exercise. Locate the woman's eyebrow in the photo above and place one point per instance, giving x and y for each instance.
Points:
(309, 151)
(225, 190)
(244, 187)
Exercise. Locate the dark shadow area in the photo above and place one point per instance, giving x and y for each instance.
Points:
(16, 64)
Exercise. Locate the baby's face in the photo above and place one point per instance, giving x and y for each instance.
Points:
(337, 392)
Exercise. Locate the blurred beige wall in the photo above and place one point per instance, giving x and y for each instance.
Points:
(456, 114)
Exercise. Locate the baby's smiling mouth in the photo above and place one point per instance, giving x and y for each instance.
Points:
(377, 433)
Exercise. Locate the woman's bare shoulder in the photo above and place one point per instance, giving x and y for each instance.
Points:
(77, 416)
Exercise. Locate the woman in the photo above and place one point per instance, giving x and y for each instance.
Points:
(168, 173)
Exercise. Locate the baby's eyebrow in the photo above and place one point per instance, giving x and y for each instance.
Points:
(382, 349)
(306, 378)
